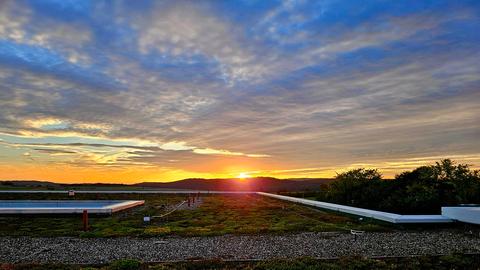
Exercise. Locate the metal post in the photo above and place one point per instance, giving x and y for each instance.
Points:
(85, 220)
(188, 201)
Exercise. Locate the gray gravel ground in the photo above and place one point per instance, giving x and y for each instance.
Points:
(231, 247)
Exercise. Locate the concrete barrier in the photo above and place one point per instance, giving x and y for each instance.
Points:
(379, 215)
(463, 213)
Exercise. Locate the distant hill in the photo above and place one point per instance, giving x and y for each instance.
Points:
(29, 184)
(251, 184)
(268, 184)
(47, 185)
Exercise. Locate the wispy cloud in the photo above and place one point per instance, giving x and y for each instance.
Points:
(291, 88)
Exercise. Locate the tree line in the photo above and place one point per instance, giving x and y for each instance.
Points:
(423, 190)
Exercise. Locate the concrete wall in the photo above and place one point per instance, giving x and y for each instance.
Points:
(464, 214)
(384, 216)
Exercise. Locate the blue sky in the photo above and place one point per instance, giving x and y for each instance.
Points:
(215, 88)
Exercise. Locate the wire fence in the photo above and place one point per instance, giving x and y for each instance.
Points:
(171, 211)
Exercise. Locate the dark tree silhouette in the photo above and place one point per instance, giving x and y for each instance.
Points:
(424, 190)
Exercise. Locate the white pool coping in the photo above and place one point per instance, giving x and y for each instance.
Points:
(111, 206)
(384, 216)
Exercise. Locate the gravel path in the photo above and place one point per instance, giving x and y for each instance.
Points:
(230, 247)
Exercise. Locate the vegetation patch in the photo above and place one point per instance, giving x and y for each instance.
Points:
(421, 191)
(453, 261)
(216, 215)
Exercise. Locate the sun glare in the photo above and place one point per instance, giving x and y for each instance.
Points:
(243, 175)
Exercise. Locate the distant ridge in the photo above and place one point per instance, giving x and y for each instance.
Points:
(269, 184)
(250, 184)
(30, 183)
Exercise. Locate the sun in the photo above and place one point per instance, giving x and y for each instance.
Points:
(243, 175)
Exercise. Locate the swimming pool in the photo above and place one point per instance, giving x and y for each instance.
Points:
(65, 206)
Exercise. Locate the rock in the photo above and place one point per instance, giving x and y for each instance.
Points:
(234, 247)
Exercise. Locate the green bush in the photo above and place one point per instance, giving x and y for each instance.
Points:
(43, 267)
(125, 264)
(456, 261)
(423, 190)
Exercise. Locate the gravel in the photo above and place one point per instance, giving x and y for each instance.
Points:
(234, 247)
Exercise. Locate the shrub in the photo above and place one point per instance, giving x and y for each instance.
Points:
(424, 190)
(125, 264)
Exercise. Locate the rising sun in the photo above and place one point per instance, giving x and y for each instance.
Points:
(243, 175)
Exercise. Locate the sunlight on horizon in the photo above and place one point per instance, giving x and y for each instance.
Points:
(243, 175)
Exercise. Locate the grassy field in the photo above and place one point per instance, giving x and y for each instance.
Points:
(216, 215)
(453, 261)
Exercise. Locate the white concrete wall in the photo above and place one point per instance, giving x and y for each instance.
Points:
(384, 216)
(464, 214)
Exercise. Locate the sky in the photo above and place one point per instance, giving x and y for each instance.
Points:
(133, 91)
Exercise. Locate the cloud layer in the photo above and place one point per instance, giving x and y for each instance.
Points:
(205, 88)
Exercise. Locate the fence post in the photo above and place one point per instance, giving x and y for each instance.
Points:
(85, 220)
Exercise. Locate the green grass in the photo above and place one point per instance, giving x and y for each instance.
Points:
(217, 215)
(454, 261)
